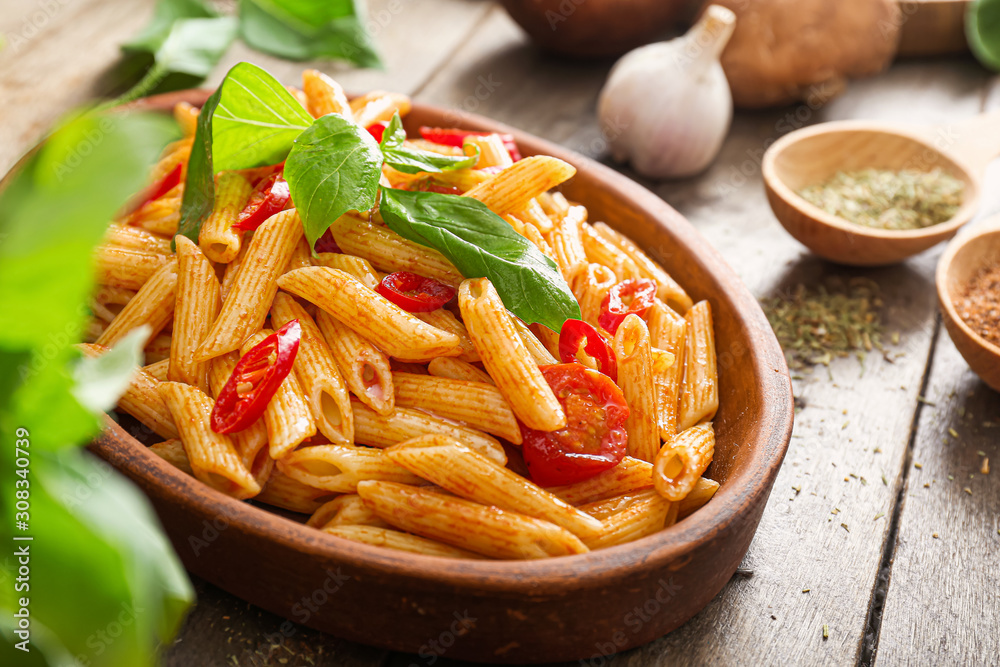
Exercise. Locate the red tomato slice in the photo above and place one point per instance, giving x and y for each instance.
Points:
(269, 197)
(255, 380)
(572, 335)
(378, 129)
(414, 293)
(594, 439)
(154, 191)
(450, 136)
(626, 298)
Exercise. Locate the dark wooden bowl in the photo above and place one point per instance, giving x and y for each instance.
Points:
(568, 608)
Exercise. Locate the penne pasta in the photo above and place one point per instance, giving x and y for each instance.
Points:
(506, 358)
(217, 239)
(251, 442)
(590, 288)
(324, 95)
(628, 476)
(287, 416)
(172, 451)
(160, 216)
(667, 332)
(538, 351)
(700, 390)
(467, 525)
(246, 305)
(444, 319)
(635, 377)
(345, 510)
(357, 267)
(398, 540)
(126, 268)
(403, 424)
(395, 331)
(512, 189)
(477, 404)
(232, 270)
(566, 242)
(600, 251)
(135, 238)
(388, 251)
(108, 301)
(455, 467)
(364, 368)
(450, 367)
(683, 459)
(340, 468)
(212, 456)
(698, 498)
(377, 106)
(186, 117)
(645, 516)
(315, 368)
(160, 370)
(284, 492)
(153, 305)
(667, 288)
(197, 305)
(492, 152)
(301, 256)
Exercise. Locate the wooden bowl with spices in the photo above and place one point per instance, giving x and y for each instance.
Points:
(870, 194)
(968, 287)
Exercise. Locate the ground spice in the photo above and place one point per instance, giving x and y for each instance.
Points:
(887, 199)
(979, 305)
(814, 325)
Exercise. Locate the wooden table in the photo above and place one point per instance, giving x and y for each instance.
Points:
(880, 525)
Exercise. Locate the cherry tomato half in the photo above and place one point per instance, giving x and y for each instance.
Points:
(269, 197)
(255, 380)
(154, 191)
(413, 293)
(326, 243)
(573, 334)
(626, 298)
(450, 136)
(594, 439)
(378, 129)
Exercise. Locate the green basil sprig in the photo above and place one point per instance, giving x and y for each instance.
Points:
(412, 161)
(332, 168)
(482, 244)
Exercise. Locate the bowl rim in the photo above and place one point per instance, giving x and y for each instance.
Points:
(946, 228)
(942, 279)
(544, 576)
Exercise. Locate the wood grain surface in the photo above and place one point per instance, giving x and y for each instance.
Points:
(939, 594)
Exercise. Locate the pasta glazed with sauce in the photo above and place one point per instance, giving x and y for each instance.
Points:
(371, 385)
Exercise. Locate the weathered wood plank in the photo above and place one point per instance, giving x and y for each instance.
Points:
(800, 544)
(941, 602)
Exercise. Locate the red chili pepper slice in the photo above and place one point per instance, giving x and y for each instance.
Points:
(626, 298)
(326, 243)
(450, 136)
(594, 439)
(378, 129)
(255, 379)
(269, 197)
(154, 191)
(573, 334)
(414, 293)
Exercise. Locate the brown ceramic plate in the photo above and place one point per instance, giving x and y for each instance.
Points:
(519, 611)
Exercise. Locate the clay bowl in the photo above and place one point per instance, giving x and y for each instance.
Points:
(597, 28)
(526, 611)
(963, 258)
(814, 154)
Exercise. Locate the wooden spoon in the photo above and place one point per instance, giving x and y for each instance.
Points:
(963, 258)
(814, 154)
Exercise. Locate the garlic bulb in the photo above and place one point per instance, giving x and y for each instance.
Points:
(667, 107)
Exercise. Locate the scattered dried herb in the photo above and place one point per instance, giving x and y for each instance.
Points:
(979, 305)
(887, 199)
(814, 325)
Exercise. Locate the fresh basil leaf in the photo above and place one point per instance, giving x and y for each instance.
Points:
(333, 167)
(307, 30)
(165, 14)
(256, 120)
(199, 186)
(482, 244)
(412, 161)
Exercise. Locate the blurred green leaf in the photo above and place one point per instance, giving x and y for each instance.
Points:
(307, 29)
(166, 12)
(982, 29)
